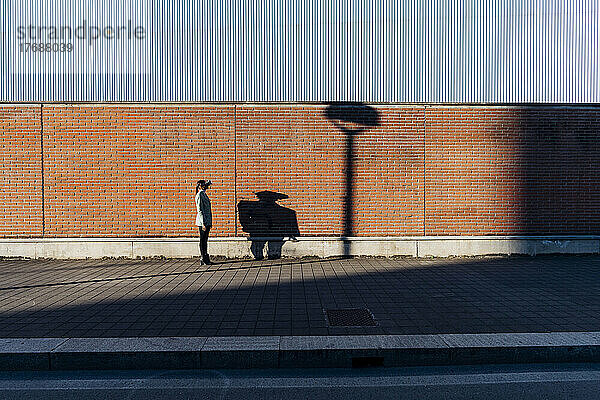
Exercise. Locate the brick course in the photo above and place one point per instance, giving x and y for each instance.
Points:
(129, 170)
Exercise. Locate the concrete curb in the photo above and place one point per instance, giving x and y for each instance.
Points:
(241, 247)
(297, 351)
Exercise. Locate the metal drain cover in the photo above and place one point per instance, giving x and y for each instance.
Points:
(350, 317)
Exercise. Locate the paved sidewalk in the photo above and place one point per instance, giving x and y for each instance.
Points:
(179, 297)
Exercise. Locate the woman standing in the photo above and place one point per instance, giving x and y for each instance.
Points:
(203, 218)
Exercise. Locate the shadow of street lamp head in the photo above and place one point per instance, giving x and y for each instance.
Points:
(267, 196)
(352, 118)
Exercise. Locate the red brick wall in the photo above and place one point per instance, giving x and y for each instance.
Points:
(129, 170)
(560, 170)
(294, 151)
(512, 170)
(21, 171)
(389, 184)
(300, 152)
(473, 171)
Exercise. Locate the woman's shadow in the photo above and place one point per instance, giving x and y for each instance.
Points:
(267, 223)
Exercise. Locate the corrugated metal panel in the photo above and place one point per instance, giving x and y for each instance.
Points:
(298, 50)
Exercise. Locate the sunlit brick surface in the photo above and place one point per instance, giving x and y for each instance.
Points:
(512, 170)
(131, 171)
(20, 171)
(473, 171)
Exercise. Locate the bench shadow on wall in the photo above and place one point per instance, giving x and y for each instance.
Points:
(268, 223)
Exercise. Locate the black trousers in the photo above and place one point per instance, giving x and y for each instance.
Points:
(204, 241)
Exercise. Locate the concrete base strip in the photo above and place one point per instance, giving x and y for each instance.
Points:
(241, 247)
(298, 351)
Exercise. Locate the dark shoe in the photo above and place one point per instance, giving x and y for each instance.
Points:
(207, 261)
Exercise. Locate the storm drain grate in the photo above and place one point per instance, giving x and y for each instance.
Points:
(350, 317)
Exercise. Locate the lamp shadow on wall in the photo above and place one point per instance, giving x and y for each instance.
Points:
(352, 119)
(268, 223)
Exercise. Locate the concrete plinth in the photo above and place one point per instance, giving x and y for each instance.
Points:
(241, 247)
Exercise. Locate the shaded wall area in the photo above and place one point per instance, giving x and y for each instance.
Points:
(130, 170)
(512, 170)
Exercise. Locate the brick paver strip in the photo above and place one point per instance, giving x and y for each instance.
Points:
(179, 297)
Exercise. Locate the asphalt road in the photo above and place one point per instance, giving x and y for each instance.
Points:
(567, 381)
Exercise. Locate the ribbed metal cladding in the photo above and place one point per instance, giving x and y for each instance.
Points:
(299, 50)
